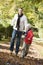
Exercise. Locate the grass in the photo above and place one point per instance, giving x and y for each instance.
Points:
(5, 41)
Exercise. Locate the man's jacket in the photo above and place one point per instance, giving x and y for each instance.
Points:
(23, 22)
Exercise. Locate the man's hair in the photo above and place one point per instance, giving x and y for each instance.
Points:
(20, 8)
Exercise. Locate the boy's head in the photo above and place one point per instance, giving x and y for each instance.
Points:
(28, 26)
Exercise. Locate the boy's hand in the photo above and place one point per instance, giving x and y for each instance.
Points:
(28, 38)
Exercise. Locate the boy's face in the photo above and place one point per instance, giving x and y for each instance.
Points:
(27, 28)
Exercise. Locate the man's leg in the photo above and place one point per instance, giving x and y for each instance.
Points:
(18, 41)
(12, 40)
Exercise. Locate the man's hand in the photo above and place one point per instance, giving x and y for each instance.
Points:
(23, 33)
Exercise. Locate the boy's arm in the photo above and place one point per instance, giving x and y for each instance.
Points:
(29, 38)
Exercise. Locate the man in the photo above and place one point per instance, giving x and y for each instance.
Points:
(19, 23)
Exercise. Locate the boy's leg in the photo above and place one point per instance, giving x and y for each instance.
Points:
(23, 50)
(12, 40)
(27, 49)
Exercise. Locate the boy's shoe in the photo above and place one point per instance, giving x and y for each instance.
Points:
(22, 56)
(25, 54)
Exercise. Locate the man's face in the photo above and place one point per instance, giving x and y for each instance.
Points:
(20, 11)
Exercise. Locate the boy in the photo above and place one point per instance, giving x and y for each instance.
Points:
(27, 40)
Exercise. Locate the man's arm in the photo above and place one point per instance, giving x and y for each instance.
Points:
(13, 21)
(25, 22)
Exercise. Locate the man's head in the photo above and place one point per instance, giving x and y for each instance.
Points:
(20, 11)
(28, 26)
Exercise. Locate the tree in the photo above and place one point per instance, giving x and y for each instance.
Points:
(32, 9)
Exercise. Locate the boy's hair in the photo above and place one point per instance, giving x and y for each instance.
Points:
(28, 25)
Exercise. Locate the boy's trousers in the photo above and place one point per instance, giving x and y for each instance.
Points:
(25, 49)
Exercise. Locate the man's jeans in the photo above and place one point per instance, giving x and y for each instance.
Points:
(13, 40)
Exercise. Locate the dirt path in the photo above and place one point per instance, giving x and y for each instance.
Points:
(34, 50)
(5, 59)
(33, 58)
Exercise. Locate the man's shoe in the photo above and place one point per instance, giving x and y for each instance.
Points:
(10, 52)
(16, 54)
